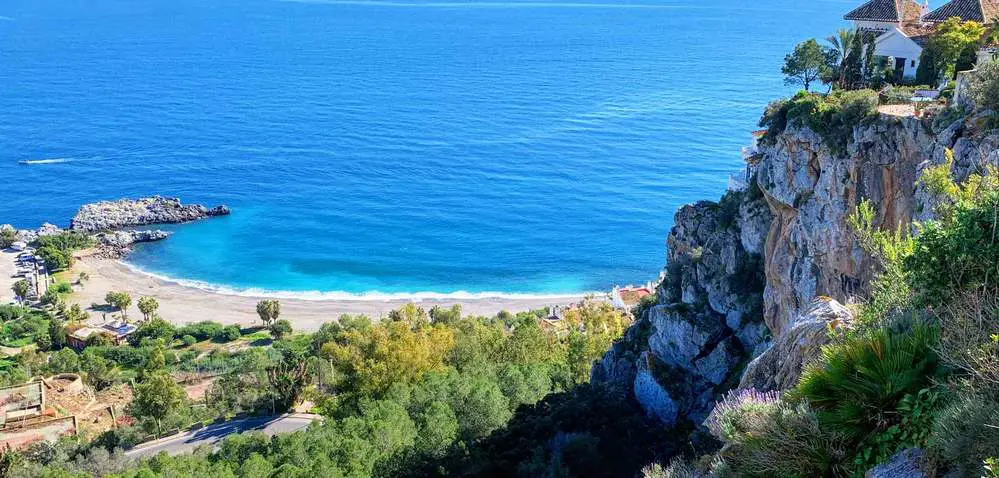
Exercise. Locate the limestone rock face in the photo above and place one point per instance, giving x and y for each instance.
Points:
(653, 397)
(707, 322)
(780, 367)
(111, 215)
(810, 249)
(738, 305)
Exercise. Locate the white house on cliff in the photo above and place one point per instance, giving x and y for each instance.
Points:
(904, 26)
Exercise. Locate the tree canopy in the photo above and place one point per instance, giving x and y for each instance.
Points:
(806, 63)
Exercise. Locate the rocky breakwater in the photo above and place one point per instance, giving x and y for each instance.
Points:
(105, 219)
(117, 244)
(112, 215)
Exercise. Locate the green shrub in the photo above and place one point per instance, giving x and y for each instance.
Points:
(189, 340)
(24, 331)
(991, 466)
(774, 120)
(153, 330)
(765, 436)
(728, 208)
(99, 372)
(969, 338)
(44, 342)
(984, 86)
(281, 328)
(228, 334)
(859, 386)
(61, 287)
(100, 339)
(57, 249)
(67, 241)
(50, 297)
(201, 330)
(958, 251)
(64, 360)
(832, 116)
(967, 432)
(644, 304)
(8, 236)
(12, 312)
(890, 291)
(947, 117)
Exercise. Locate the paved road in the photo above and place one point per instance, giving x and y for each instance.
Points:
(212, 434)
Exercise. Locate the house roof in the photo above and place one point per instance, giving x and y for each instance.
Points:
(919, 33)
(887, 11)
(981, 11)
(632, 295)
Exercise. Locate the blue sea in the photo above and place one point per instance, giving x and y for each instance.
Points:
(392, 147)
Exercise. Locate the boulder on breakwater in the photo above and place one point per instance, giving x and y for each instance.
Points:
(117, 244)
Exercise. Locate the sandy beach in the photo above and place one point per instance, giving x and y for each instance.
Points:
(184, 304)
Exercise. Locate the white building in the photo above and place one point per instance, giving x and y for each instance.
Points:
(904, 26)
(901, 31)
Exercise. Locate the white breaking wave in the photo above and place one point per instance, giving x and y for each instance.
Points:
(45, 161)
(56, 160)
(372, 296)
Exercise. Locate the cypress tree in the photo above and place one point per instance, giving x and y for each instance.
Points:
(853, 68)
(869, 62)
(928, 73)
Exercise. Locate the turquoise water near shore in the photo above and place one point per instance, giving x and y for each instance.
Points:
(391, 147)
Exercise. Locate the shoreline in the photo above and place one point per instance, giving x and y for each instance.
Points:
(181, 304)
(318, 295)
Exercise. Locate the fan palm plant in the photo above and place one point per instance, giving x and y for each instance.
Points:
(840, 43)
(858, 384)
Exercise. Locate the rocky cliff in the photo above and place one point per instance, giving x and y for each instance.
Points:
(755, 282)
(693, 343)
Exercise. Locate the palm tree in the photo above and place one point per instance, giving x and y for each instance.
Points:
(841, 43)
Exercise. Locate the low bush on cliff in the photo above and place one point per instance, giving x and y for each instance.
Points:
(984, 87)
(967, 432)
(831, 116)
(767, 436)
(959, 251)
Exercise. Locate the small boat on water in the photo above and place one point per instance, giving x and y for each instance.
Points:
(43, 161)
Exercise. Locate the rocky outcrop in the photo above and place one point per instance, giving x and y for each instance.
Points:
(30, 235)
(780, 367)
(810, 249)
(756, 282)
(117, 244)
(111, 215)
(707, 322)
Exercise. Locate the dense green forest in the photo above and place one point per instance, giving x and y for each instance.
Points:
(420, 393)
